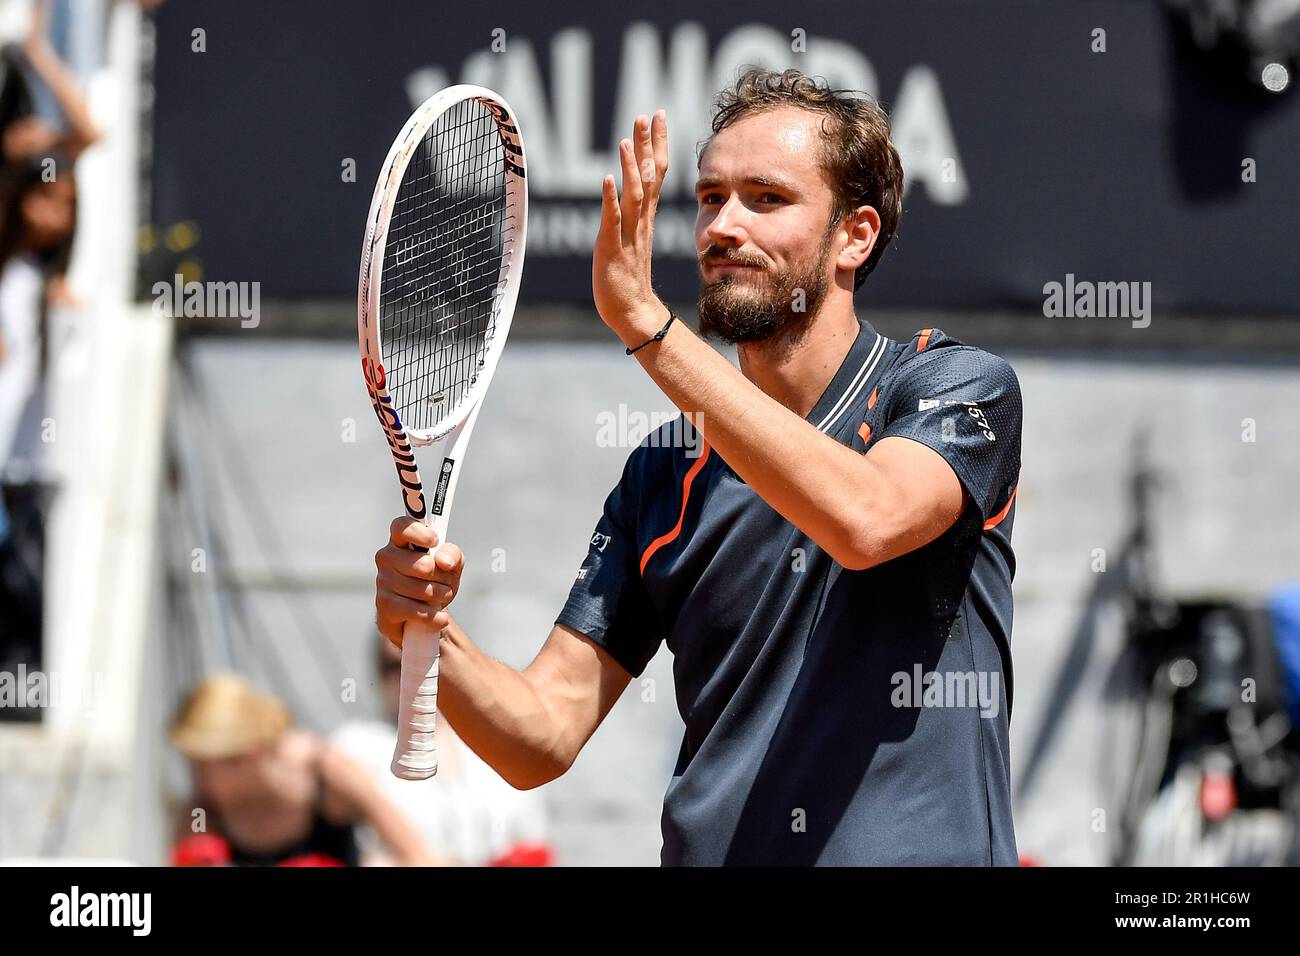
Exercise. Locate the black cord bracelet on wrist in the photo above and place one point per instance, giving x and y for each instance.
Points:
(658, 336)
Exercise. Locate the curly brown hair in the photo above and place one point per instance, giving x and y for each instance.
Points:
(856, 152)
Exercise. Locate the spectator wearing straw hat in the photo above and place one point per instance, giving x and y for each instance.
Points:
(275, 792)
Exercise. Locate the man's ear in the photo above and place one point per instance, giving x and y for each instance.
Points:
(863, 226)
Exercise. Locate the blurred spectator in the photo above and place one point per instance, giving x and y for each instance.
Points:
(467, 811)
(41, 107)
(273, 793)
(39, 145)
(38, 215)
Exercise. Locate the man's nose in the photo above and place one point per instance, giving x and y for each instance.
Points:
(728, 227)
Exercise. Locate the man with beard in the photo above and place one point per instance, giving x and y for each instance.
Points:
(831, 565)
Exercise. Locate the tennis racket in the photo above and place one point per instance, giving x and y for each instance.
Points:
(440, 270)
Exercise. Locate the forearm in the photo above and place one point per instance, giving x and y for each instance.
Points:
(499, 713)
(82, 131)
(823, 488)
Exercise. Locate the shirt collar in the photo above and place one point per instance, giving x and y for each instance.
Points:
(858, 368)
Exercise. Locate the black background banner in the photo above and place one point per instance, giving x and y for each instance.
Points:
(1029, 156)
(231, 906)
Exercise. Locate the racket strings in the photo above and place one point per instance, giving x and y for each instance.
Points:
(449, 238)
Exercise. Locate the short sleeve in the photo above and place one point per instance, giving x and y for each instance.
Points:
(608, 602)
(965, 404)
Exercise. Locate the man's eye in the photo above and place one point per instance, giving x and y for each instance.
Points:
(769, 198)
(708, 199)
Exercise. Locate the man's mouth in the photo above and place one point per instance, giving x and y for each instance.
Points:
(729, 264)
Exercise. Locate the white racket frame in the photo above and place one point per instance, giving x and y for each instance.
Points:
(415, 756)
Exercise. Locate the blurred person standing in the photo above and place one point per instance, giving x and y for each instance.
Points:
(42, 108)
(467, 812)
(38, 217)
(45, 124)
(274, 793)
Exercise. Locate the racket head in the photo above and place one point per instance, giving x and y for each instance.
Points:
(441, 265)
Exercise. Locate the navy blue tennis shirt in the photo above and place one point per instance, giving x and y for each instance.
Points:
(833, 717)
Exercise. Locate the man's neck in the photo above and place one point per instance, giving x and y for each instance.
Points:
(795, 366)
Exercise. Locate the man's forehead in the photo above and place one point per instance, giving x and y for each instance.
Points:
(781, 142)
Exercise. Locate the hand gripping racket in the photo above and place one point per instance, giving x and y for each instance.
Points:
(440, 269)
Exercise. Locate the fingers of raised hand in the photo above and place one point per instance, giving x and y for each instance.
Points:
(659, 143)
(651, 138)
(643, 163)
(611, 217)
(650, 141)
(405, 532)
(633, 189)
(645, 156)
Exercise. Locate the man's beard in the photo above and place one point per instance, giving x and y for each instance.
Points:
(737, 309)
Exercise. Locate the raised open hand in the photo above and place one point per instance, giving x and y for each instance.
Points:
(621, 260)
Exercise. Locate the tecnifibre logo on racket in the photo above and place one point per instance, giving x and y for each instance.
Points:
(407, 471)
(514, 158)
(440, 494)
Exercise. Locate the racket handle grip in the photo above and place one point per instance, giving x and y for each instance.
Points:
(416, 756)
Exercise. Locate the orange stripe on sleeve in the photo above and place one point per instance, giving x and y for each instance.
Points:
(671, 536)
(924, 340)
(998, 518)
(875, 394)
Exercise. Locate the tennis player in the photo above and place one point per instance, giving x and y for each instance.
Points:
(831, 565)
